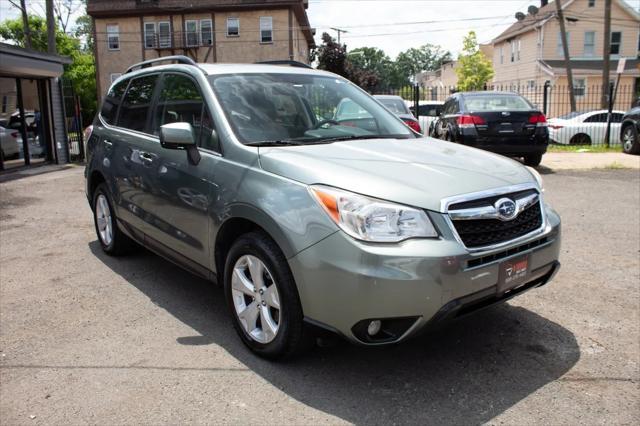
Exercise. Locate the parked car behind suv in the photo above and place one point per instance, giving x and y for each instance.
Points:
(247, 176)
(501, 122)
(398, 106)
(629, 130)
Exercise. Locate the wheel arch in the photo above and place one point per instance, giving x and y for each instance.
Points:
(95, 178)
(244, 219)
(575, 137)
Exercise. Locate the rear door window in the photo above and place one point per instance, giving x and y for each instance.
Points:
(134, 111)
(596, 118)
(109, 110)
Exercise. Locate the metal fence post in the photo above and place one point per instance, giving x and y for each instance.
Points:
(416, 100)
(607, 136)
(545, 96)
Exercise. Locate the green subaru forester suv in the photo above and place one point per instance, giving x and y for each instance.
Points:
(310, 203)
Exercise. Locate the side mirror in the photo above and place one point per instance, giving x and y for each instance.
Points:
(180, 136)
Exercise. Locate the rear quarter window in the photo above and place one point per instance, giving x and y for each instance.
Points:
(109, 110)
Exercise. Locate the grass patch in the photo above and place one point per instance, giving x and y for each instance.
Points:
(583, 148)
(615, 166)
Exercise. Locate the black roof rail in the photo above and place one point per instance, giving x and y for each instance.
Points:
(181, 59)
(286, 62)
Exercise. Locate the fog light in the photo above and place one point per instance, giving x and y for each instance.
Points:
(374, 327)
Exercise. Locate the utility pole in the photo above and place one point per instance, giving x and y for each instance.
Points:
(606, 54)
(567, 60)
(51, 29)
(25, 24)
(339, 31)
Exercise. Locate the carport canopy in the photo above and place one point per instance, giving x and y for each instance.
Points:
(24, 63)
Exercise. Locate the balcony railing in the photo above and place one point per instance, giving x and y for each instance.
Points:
(177, 40)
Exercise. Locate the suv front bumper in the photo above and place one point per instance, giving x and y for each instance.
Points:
(344, 284)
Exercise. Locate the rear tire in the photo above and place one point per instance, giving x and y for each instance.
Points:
(580, 139)
(256, 271)
(112, 240)
(533, 160)
(630, 142)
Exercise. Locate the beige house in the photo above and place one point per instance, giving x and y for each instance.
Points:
(131, 31)
(441, 83)
(529, 52)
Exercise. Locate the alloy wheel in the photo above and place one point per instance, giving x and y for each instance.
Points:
(627, 139)
(255, 299)
(103, 219)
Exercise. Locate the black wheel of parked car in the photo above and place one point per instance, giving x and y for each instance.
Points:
(580, 139)
(630, 142)
(533, 160)
(263, 298)
(112, 240)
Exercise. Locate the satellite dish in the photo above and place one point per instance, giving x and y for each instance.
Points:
(533, 10)
(520, 16)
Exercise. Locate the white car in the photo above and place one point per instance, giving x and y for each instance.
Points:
(584, 128)
(429, 112)
(10, 141)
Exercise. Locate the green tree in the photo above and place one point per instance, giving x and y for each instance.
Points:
(376, 62)
(428, 57)
(474, 68)
(331, 56)
(81, 71)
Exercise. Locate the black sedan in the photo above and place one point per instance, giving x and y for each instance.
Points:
(629, 131)
(501, 122)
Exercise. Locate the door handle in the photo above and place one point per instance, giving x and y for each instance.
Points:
(146, 157)
(107, 143)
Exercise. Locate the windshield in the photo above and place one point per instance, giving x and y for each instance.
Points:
(493, 102)
(301, 108)
(396, 106)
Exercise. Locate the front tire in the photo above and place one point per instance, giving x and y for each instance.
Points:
(630, 142)
(533, 160)
(263, 298)
(113, 241)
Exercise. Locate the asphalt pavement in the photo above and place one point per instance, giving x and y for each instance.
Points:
(87, 338)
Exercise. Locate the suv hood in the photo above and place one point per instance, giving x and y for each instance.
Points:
(416, 172)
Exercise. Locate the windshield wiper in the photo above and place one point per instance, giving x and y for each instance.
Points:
(284, 142)
(356, 137)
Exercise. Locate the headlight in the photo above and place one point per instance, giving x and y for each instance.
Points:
(373, 220)
(537, 177)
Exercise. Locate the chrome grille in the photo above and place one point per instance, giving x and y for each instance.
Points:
(479, 224)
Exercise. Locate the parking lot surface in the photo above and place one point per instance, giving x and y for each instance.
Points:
(86, 338)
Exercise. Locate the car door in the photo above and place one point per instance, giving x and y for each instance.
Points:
(178, 193)
(125, 143)
(595, 126)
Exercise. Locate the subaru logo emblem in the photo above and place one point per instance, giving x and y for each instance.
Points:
(506, 113)
(506, 209)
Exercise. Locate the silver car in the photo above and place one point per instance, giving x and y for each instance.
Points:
(309, 219)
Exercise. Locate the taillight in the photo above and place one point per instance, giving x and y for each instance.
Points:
(15, 135)
(87, 132)
(538, 119)
(414, 125)
(470, 121)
